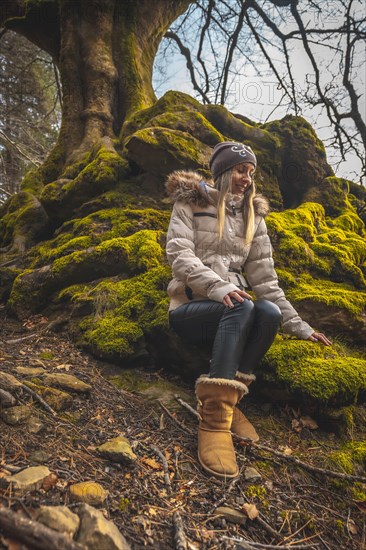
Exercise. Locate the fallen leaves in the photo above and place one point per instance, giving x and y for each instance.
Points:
(298, 424)
(250, 510)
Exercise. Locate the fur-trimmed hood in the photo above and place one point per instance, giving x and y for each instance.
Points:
(189, 186)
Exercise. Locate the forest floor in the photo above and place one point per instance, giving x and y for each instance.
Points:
(297, 508)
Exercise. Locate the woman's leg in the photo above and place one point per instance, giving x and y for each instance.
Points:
(205, 321)
(267, 321)
(217, 394)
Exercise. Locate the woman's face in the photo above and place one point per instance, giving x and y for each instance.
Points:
(241, 178)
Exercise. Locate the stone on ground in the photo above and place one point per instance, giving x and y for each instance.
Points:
(67, 382)
(89, 492)
(118, 449)
(29, 479)
(97, 532)
(16, 415)
(59, 518)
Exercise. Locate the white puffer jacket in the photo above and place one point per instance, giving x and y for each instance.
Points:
(205, 267)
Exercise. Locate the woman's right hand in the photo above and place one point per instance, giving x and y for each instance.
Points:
(238, 295)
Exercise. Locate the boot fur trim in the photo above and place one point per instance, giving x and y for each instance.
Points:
(243, 377)
(205, 379)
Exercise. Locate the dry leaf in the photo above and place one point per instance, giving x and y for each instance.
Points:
(63, 366)
(286, 450)
(49, 482)
(151, 462)
(352, 527)
(152, 512)
(296, 425)
(250, 510)
(308, 422)
(361, 505)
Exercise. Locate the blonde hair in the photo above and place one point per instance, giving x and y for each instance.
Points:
(223, 185)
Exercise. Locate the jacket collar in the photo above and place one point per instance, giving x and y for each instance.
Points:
(189, 186)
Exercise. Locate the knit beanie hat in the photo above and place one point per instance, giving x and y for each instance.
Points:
(227, 154)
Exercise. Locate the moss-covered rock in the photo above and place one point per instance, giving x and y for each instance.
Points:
(315, 373)
(123, 312)
(305, 239)
(127, 255)
(303, 158)
(22, 220)
(103, 225)
(72, 189)
(160, 150)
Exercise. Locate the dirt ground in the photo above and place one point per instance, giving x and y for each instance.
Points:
(296, 508)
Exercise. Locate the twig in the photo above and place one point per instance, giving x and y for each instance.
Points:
(17, 340)
(304, 465)
(39, 399)
(223, 499)
(175, 420)
(180, 541)
(300, 463)
(250, 544)
(33, 534)
(186, 406)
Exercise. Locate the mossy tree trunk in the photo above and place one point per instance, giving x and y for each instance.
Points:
(105, 51)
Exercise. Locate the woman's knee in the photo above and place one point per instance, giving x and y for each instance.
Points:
(268, 309)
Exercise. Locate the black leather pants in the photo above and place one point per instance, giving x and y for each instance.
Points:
(239, 336)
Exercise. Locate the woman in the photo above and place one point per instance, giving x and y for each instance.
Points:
(217, 233)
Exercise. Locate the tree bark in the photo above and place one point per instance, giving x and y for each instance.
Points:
(105, 50)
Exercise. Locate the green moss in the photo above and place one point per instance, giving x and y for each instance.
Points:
(46, 355)
(137, 252)
(98, 176)
(21, 217)
(167, 103)
(123, 311)
(326, 375)
(351, 455)
(181, 146)
(188, 121)
(339, 295)
(304, 239)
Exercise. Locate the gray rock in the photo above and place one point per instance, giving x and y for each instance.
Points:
(6, 399)
(96, 532)
(59, 518)
(67, 382)
(34, 425)
(251, 474)
(8, 382)
(27, 480)
(231, 515)
(39, 457)
(118, 449)
(16, 415)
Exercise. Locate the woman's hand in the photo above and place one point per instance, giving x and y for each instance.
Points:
(238, 295)
(320, 337)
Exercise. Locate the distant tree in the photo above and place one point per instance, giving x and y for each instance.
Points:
(29, 109)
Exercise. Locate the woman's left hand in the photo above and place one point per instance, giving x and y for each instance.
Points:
(320, 337)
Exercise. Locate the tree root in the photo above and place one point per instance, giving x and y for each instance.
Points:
(32, 533)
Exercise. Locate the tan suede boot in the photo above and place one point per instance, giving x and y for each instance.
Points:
(217, 398)
(240, 424)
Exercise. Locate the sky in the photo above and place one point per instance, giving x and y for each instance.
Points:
(257, 95)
